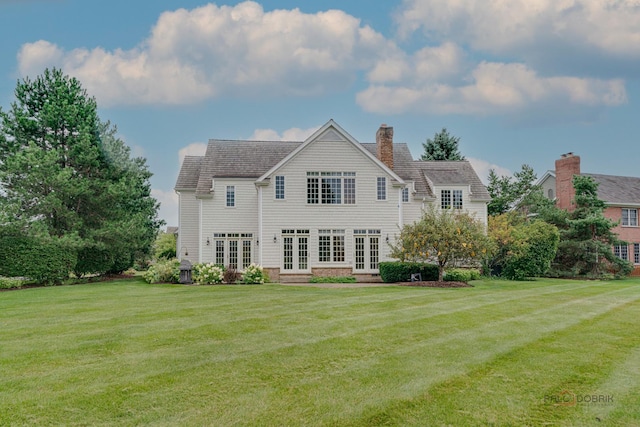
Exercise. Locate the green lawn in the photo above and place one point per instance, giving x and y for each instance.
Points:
(500, 353)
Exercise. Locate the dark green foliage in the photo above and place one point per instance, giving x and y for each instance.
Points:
(39, 258)
(511, 192)
(64, 174)
(443, 146)
(393, 272)
(587, 239)
(461, 275)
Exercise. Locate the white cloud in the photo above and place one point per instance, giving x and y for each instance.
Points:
(482, 168)
(193, 55)
(168, 205)
(193, 149)
(293, 134)
(493, 88)
(527, 28)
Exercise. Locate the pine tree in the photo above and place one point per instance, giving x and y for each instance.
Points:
(442, 147)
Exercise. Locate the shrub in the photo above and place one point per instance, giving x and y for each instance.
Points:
(41, 259)
(10, 282)
(208, 274)
(254, 275)
(461, 275)
(230, 275)
(163, 272)
(392, 272)
(332, 279)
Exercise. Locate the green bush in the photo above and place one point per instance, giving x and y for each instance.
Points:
(332, 279)
(163, 272)
(10, 282)
(41, 259)
(254, 275)
(392, 272)
(208, 274)
(461, 275)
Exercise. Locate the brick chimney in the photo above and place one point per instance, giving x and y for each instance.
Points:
(567, 166)
(384, 145)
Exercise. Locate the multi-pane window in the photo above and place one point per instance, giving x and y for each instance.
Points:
(629, 217)
(233, 249)
(231, 196)
(451, 199)
(331, 245)
(405, 195)
(295, 249)
(621, 251)
(367, 249)
(331, 188)
(279, 187)
(636, 253)
(381, 188)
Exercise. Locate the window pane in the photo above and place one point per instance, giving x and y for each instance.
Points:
(324, 249)
(287, 252)
(373, 252)
(246, 253)
(359, 253)
(457, 199)
(312, 190)
(405, 195)
(338, 248)
(220, 252)
(636, 253)
(382, 188)
(231, 196)
(445, 199)
(303, 253)
(279, 187)
(331, 191)
(349, 191)
(233, 254)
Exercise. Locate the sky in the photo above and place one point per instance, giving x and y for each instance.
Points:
(519, 81)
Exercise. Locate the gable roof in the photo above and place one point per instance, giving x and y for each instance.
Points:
(460, 172)
(617, 190)
(258, 159)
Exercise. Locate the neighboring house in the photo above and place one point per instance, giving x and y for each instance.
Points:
(326, 206)
(620, 193)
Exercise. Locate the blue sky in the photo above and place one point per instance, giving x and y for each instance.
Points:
(520, 82)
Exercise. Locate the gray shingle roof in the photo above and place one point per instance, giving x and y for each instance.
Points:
(617, 189)
(251, 159)
(189, 173)
(454, 173)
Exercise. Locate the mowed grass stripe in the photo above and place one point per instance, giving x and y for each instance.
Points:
(148, 358)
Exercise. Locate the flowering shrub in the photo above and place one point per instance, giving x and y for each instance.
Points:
(254, 275)
(208, 274)
(163, 272)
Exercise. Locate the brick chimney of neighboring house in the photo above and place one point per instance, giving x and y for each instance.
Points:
(567, 166)
(384, 145)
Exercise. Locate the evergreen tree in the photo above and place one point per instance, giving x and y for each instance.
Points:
(65, 175)
(509, 192)
(443, 146)
(587, 239)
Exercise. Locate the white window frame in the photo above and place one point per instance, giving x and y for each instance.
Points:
(230, 201)
(279, 187)
(636, 253)
(381, 188)
(331, 188)
(232, 249)
(621, 251)
(334, 242)
(629, 220)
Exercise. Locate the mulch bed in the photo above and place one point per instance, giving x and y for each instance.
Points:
(438, 284)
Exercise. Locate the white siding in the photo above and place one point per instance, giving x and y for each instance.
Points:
(189, 229)
(294, 213)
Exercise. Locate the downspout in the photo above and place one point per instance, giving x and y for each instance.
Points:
(260, 239)
(400, 209)
(179, 239)
(200, 231)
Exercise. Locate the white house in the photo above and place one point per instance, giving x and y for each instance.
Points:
(325, 206)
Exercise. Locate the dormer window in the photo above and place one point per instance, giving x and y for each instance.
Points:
(451, 199)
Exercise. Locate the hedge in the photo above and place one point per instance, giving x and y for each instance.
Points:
(392, 272)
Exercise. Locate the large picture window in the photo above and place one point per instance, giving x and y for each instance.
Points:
(331, 188)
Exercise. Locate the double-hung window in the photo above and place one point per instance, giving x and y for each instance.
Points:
(405, 195)
(381, 188)
(629, 217)
(636, 253)
(331, 188)
(231, 196)
(279, 187)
